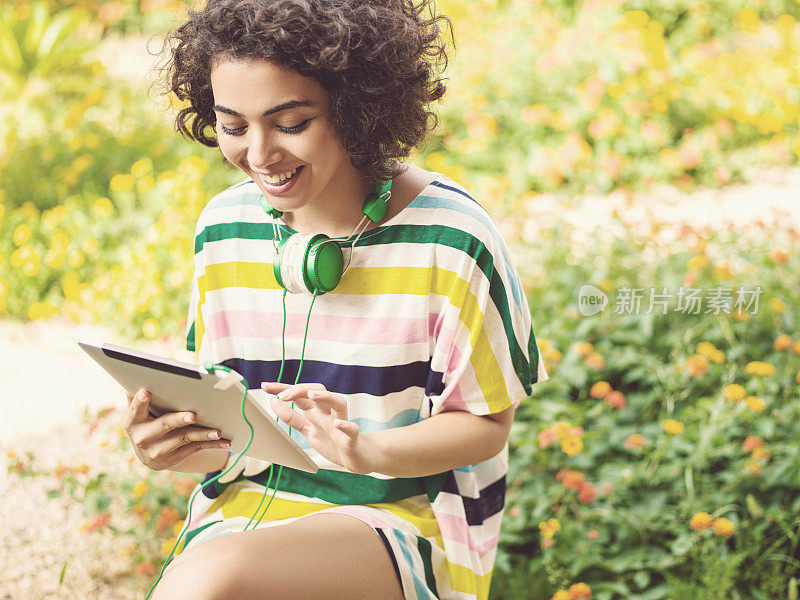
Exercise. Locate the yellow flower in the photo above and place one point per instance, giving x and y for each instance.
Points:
(723, 526)
(121, 182)
(777, 305)
(571, 445)
(782, 342)
(601, 389)
(150, 328)
(55, 216)
(92, 140)
(145, 184)
(90, 245)
(140, 489)
(141, 167)
(102, 207)
(749, 21)
(718, 357)
(706, 348)
(76, 259)
(71, 286)
(582, 348)
(697, 262)
(168, 545)
(761, 453)
(734, 392)
(755, 404)
(22, 234)
(758, 367)
(177, 527)
(701, 521)
(548, 528)
(561, 595)
(672, 426)
(41, 310)
(753, 466)
(562, 428)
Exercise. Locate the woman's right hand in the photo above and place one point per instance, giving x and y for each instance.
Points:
(165, 441)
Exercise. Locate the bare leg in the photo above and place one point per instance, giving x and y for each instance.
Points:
(319, 557)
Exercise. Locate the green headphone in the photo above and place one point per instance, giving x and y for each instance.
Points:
(313, 262)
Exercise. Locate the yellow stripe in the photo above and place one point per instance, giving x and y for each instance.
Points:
(231, 274)
(464, 579)
(235, 502)
(383, 280)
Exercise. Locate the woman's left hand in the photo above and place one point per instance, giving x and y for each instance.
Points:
(322, 419)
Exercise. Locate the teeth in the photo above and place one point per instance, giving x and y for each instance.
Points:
(279, 178)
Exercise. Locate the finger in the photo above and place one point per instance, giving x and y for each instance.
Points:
(290, 416)
(138, 409)
(328, 402)
(348, 428)
(298, 390)
(161, 426)
(182, 437)
(189, 449)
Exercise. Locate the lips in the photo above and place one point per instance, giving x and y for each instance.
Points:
(281, 188)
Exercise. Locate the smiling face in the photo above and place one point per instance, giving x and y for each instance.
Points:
(273, 124)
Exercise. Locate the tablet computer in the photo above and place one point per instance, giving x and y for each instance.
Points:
(216, 399)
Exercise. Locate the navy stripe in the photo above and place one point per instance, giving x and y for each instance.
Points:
(456, 190)
(391, 555)
(342, 379)
(490, 500)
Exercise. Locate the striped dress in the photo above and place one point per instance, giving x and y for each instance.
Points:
(430, 317)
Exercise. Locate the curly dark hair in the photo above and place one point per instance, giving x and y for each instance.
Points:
(379, 60)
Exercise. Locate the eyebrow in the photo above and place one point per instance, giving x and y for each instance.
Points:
(271, 111)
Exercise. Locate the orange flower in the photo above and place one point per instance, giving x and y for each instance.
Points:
(761, 453)
(185, 485)
(580, 591)
(635, 441)
(782, 342)
(601, 389)
(796, 349)
(697, 365)
(145, 568)
(616, 399)
(97, 522)
(593, 534)
(586, 492)
(734, 392)
(701, 521)
(754, 466)
(751, 442)
(779, 256)
(167, 518)
(757, 367)
(723, 527)
(572, 480)
(595, 361)
(547, 437)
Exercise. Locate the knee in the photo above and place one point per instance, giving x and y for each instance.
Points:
(201, 576)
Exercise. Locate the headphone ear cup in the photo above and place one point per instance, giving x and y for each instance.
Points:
(324, 264)
(308, 263)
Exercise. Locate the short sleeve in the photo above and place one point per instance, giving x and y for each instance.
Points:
(484, 345)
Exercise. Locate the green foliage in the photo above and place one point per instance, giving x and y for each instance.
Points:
(624, 510)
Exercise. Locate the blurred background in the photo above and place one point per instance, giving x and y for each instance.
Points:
(639, 157)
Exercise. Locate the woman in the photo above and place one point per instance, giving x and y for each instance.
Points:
(414, 362)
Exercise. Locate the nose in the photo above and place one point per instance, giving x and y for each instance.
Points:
(263, 151)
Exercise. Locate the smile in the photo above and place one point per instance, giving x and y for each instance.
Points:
(280, 183)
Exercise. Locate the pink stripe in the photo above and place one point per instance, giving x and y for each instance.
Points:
(357, 330)
(446, 343)
(456, 529)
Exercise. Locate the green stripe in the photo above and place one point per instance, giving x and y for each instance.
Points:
(525, 368)
(461, 240)
(190, 339)
(424, 547)
(341, 487)
(194, 532)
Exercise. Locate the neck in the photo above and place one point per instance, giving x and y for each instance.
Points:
(339, 212)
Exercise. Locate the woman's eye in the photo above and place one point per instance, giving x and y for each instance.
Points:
(237, 131)
(295, 129)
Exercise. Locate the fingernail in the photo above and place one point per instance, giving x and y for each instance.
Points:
(224, 445)
(283, 394)
(214, 435)
(188, 419)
